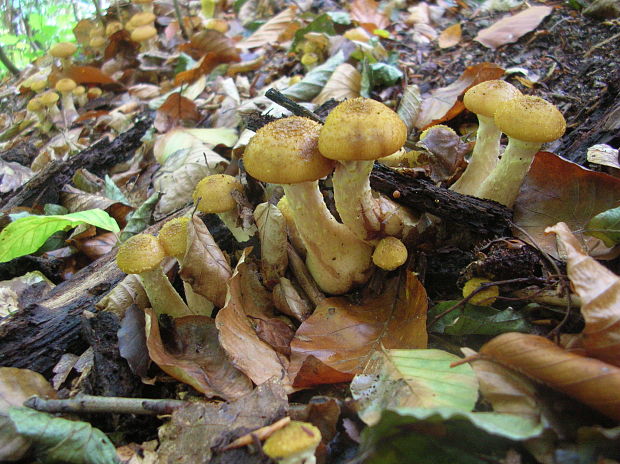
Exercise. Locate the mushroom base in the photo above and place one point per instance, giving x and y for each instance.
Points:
(163, 297)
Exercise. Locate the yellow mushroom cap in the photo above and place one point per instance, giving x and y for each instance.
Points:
(214, 193)
(113, 27)
(98, 41)
(485, 297)
(65, 85)
(38, 85)
(142, 2)
(49, 98)
(361, 129)
(286, 151)
(34, 105)
(173, 237)
(437, 127)
(63, 50)
(140, 253)
(295, 438)
(142, 33)
(389, 254)
(486, 97)
(79, 90)
(96, 31)
(94, 92)
(142, 19)
(530, 119)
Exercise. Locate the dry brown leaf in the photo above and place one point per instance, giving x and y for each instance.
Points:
(273, 243)
(205, 266)
(556, 190)
(443, 104)
(345, 82)
(257, 359)
(144, 91)
(277, 333)
(509, 29)
(289, 301)
(207, 64)
(450, 36)
(280, 28)
(127, 292)
(599, 290)
(121, 46)
(89, 75)
(211, 41)
(96, 247)
(175, 109)
(590, 381)
(342, 336)
(198, 359)
(365, 12)
(82, 29)
(447, 152)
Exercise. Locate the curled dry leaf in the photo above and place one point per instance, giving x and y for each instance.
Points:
(211, 41)
(365, 12)
(198, 359)
(340, 337)
(289, 300)
(443, 104)
(205, 266)
(278, 29)
(345, 82)
(511, 28)
(450, 36)
(277, 333)
(175, 109)
(447, 152)
(599, 290)
(556, 190)
(590, 381)
(273, 243)
(257, 359)
(13, 175)
(127, 292)
(132, 341)
(89, 75)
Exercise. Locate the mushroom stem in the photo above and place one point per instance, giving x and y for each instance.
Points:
(336, 258)
(504, 182)
(483, 158)
(162, 295)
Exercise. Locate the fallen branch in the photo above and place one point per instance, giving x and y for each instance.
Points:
(86, 404)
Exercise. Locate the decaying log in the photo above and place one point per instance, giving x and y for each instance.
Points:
(488, 218)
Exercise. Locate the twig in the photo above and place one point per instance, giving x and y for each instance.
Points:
(295, 108)
(87, 404)
(177, 13)
(8, 63)
(260, 434)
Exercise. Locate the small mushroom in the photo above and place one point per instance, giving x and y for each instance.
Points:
(52, 113)
(64, 51)
(389, 254)
(113, 27)
(528, 122)
(142, 19)
(35, 109)
(145, 35)
(79, 93)
(213, 194)
(142, 255)
(66, 87)
(484, 99)
(94, 93)
(98, 44)
(286, 152)
(295, 443)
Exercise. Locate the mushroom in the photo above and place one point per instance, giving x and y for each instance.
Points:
(113, 28)
(528, 122)
(93, 93)
(36, 110)
(64, 51)
(146, 5)
(141, 19)
(38, 85)
(80, 95)
(291, 229)
(144, 36)
(389, 254)
(173, 239)
(484, 99)
(355, 133)
(286, 152)
(49, 99)
(98, 44)
(66, 87)
(295, 443)
(213, 194)
(142, 255)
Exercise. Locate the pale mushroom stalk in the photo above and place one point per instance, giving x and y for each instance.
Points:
(66, 87)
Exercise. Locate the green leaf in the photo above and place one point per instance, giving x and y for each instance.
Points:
(413, 378)
(112, 191)
(476, 320)
(50, 209)
(59, 440)
(366, 83)
(385, 74)
(26, 235)
(606, 226)
(310, 86)
(140, 218)
(322, 23)
(340, 17)
(430, 436)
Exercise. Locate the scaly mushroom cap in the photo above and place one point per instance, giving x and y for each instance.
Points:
(63, 50)
(38, 85)
(389, 254)
(530, 119)
(361, 129)
(214, 193)
(65, 85)
(173, 236)
(49, 98)
(140, 253)
(295, 438)
(142, 33)
(34, 105)
(486, 97)
(286, 151)
(142, 19)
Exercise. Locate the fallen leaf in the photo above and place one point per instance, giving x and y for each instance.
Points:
(205, 266)
(344, 83)
(606, 226)
(89, 75)
(13, 175)
(19, 292)
(604, 155)
(447, 152)
(509, 29)
(599, 290)
(211, 41)
(450, 36)
(96, 247)
(590, 381)
(132, 341)
(277, 333)
(120, 45)
(175, 109)
(556, 190)
(278, 29)
(271, 226)
(443, 104)
(343, 336)
(197, 359)
(127, 292)
(365, 12)
(258, 360)
(412, 379)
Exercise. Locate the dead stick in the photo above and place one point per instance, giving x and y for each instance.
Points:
(87, 404)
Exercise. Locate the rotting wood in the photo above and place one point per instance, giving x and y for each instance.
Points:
(486, 217)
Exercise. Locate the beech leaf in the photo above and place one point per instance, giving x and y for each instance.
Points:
(606, 226)
(365, 12)
(509, 29)
(344, 83)
(450, 36)
(278, 29)
(271, 226)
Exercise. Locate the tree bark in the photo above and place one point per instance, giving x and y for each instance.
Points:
(8, 63)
